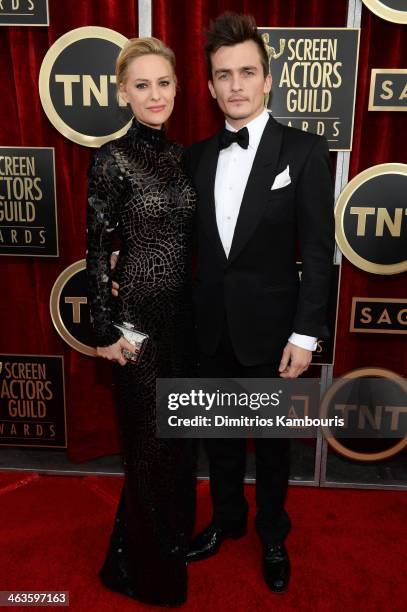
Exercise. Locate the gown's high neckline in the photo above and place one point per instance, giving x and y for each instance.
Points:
(150, 137)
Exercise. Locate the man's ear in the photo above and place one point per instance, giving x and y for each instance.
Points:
(267, 83)
(212, 89)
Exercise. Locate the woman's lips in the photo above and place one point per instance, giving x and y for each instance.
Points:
(156, 109)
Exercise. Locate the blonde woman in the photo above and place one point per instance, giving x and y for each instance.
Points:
(138, 189)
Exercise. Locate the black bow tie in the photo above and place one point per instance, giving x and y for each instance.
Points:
(227, 137)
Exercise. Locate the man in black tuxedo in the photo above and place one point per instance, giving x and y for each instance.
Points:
(262, 186)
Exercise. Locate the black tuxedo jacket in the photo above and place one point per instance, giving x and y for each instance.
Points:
(256, 289)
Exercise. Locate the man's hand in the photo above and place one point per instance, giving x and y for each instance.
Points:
(113, 262)
(114, 351)
(295, 361)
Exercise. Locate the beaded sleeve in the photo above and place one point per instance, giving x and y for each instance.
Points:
(105, 188)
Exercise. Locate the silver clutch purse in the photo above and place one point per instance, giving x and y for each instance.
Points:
(137, 338)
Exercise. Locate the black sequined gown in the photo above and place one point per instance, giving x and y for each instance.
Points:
(137, 188)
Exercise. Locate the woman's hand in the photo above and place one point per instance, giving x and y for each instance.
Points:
(114, 351)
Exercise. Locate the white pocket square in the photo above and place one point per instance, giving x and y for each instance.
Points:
(282, 180)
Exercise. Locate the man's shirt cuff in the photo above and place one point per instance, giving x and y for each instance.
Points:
(305, 342)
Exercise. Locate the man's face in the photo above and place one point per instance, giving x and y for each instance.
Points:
(238, 82)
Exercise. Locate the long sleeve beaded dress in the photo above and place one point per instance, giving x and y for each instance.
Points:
(138, 190)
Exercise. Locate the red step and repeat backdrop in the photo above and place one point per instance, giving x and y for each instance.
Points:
(26, 326)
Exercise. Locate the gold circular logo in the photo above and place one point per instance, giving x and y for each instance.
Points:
(330, 396)
(77, 86)
(70, 310)
(390, 10)
(371, 217)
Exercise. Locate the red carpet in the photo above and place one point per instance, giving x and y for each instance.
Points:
(347, 547)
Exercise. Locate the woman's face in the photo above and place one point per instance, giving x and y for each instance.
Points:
(150, 89)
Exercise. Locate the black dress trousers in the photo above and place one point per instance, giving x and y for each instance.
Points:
(227, 458)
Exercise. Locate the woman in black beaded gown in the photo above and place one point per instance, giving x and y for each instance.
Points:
(138, 189)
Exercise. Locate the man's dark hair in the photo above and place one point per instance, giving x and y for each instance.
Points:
(230, 29)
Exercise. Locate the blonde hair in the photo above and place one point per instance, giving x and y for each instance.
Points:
(137, 47)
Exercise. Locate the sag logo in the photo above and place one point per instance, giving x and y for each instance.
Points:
(69, 308)
(77, 86)
(371, 218)
(379, 315)
(388, 89)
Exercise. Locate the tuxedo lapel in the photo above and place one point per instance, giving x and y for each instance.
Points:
(261, 178)
(205, 181)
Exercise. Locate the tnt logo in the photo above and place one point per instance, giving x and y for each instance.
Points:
(391, 10)
(372, 404)
(78, 86)
(70, 310)
(88, 91)
(371, 219)
(383, 219)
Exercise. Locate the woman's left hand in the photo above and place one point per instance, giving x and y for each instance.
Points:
(114, 351)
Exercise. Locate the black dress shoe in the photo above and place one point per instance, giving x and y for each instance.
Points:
(208, 542)
(276, 567)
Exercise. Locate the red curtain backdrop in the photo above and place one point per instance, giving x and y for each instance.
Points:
(378, 138)
(25, 283)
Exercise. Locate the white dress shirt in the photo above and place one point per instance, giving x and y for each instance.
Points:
(232, 173)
